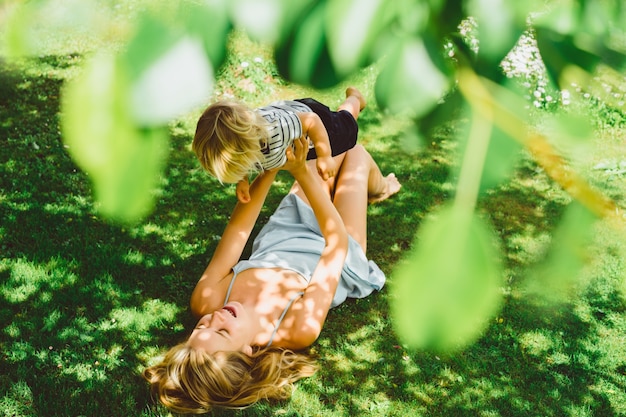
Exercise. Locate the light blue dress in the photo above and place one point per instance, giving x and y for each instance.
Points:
(292, 240)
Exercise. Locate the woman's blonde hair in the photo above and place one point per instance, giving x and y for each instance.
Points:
(228, 140)
(191, 380)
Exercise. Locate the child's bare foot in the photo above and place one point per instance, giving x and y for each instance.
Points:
(352, 91)
(392, 186)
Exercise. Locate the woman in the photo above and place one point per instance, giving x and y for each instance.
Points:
(254, 314)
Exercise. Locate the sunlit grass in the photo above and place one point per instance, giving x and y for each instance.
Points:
(86, 305)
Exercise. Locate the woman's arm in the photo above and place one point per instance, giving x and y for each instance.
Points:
(233, 241)
(318, 296)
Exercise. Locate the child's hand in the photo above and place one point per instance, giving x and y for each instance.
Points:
(243, 191)
(326, 167)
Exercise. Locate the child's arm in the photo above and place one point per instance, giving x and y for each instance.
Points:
(313, 127)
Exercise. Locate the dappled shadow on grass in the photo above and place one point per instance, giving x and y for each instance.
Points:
(524, 212)
(535, 358)
(84, 304)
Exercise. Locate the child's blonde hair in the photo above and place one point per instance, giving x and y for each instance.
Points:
(191, 380)
(228, 140)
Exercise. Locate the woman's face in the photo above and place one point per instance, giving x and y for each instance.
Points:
(227, 329)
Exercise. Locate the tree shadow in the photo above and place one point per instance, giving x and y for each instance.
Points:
(535, 358)
(85, 304)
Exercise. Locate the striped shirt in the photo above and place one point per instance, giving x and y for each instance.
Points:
(284, 127)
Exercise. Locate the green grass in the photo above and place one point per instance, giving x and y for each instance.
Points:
(85, 305)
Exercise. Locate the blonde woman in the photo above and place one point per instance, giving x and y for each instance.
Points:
(255, 316)
(232, 140)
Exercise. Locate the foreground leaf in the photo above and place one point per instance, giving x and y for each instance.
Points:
(352, 28)
(267, 21)
(122, 161)
(500, 24)
(304, 57)
(169, 71)
(36, 27)
(449, 287)
(210, 22)
(410, 80)
(557, 276)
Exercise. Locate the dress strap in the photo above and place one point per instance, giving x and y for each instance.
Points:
(282, 316)
(230, 286)
(280, 319)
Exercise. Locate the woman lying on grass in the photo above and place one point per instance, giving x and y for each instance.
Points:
(256, 314)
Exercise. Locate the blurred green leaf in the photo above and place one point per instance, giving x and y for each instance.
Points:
(449, 286)
(127, 194)
(504, 136)
(210, 22)
(32, 27)
(595, 16)
(445, 17)
(501, 160)
(558, 274)
(500, 24)
(352, 27)
(269, 21)
(178, 81)
(123, 162)
(559, 53)
(573, 35)
(410, 81)
(409, 16)
(449, 108)
(169, 72)
(583, 17)
(304, 58)
(151, 40)
(412, 140)
(570, 132)
(437, 6)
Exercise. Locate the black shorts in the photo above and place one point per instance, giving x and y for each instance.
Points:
(341, 127)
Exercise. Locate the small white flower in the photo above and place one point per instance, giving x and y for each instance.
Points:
(245, 64)
(258, 59)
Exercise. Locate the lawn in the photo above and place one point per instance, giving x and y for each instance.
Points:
(85, 304)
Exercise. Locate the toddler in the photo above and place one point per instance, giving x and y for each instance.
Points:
(232, 140)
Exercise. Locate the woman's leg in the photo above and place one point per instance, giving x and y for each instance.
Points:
(359, 182)
(354, 102)
(328, 185)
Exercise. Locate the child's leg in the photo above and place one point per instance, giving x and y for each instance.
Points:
(354, 102)
(358, 182)
(341, 125)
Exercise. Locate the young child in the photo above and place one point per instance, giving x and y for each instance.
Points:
(233, 140)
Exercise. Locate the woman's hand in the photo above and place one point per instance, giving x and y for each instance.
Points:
(296, 157)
